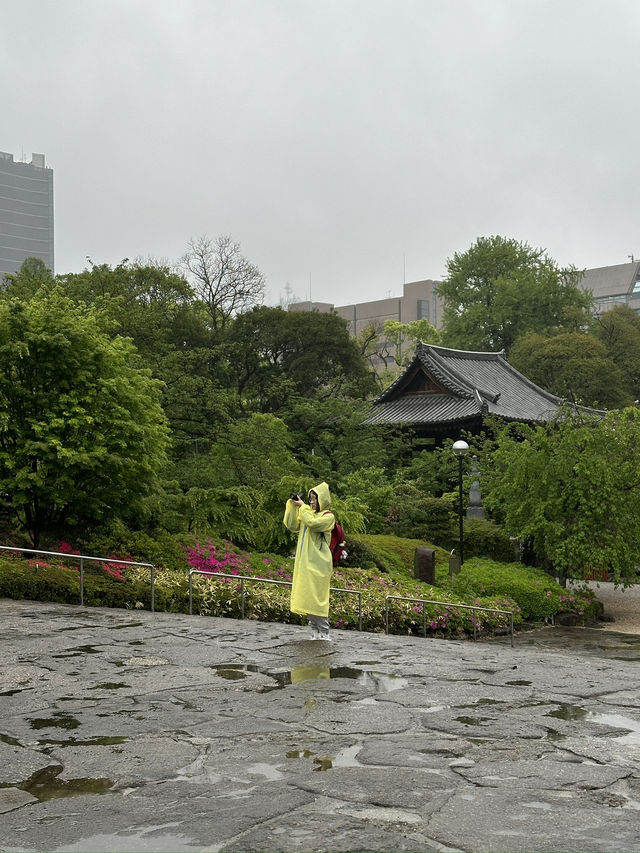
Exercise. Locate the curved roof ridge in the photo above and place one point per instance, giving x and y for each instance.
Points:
(457, 377)
(445, 373)
(463, 352)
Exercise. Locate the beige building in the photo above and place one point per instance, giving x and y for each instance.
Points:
(419, 301)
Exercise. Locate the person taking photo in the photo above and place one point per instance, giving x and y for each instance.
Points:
(313, 564)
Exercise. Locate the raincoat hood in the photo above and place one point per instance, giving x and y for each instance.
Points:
(324, 497)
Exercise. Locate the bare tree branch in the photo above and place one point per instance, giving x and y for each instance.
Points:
(222, 278)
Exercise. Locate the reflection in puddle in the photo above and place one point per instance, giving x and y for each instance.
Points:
(146, 840)
(77, 651)
(471, 721)
(568, 712)
(617, 721)
(60, 720)
(344, 758)
(630, 726)
(45, 785)
(93, 741)
(377, 681)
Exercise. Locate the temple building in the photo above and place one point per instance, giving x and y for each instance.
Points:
(444, 391)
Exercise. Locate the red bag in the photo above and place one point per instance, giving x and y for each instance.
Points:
(336, 545)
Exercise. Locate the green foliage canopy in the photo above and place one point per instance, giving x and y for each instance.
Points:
(572, 365)
(573, 487)
(500, 288)
(82, 432)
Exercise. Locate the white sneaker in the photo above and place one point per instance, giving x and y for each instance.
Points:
(325, 637)
(314, 634)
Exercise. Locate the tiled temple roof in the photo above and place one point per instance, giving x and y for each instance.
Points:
(444, 386)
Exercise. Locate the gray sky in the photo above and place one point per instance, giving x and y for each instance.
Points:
(345, 144)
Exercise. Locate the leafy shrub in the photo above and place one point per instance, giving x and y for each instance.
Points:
(359, 554)
(538, 595)
(483, 538)
(159, 548)
(413, 515)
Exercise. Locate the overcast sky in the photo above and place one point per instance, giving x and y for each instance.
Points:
(347, 145)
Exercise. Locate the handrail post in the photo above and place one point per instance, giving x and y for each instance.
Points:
(81, 581)
(190, 594)
(359, 611)
(153, 589)
(424, 619)
(242, 597)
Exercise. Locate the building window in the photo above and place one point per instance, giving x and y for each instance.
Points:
(423, 309)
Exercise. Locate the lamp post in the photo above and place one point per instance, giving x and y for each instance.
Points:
(460, 449)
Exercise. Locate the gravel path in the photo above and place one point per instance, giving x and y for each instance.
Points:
(621, 605)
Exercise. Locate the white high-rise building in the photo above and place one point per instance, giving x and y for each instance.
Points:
(26, 212)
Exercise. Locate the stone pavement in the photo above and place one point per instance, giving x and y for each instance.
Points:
(129, 731)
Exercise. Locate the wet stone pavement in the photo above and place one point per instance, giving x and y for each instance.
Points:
(129, 731)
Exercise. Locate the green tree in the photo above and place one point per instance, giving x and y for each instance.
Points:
(404, 338)
(82, 432)
(500, 288)
(154, 306)
(274, 355)
(573, 486)
(572, 365)
(619, 332)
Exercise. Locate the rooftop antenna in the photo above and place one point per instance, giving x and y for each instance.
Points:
(632, 258)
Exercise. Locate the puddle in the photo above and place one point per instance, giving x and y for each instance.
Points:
(77, 651)
(553, 734)
(146, 840)
(94, 741)
(617, 721)
(381, 682)
(11, 741)
(568, 712)
(344, 758)
(630, 726)
(60, 720)
(472, 721)
(110, 685)
(13, 692)
(45, 785)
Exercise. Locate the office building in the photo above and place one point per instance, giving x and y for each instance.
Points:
(615, 285)
(419, 301)
(26, 212)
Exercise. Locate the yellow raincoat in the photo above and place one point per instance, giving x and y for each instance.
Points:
(314, 564)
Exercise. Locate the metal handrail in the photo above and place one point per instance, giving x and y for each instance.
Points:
(82, 558)
(425, 601)
(243, 578)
